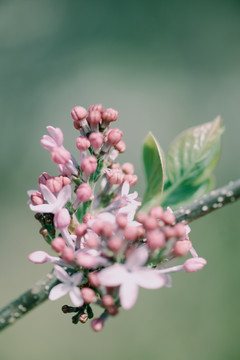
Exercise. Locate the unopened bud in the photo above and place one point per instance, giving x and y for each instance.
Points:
(89, 165)
(60, 155)
(37, 198)
(114, 136)
(78, 113)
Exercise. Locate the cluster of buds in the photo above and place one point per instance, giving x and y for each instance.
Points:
(105, 249)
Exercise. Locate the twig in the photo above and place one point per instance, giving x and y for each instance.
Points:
(39, 292)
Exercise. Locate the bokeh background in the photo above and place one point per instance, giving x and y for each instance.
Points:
(165, 65)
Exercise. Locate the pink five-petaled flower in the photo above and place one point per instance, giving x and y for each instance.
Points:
(55, 203)
(69, 284)
(130, 276)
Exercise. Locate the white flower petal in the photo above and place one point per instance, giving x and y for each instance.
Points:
(128, 293)
(59, 291)
(75, 296)
(63, 197)
(61, 274)
(149, 279)
(44, 208)
(137, 258)
(113, 275)
(77, 278)
(47, 194)
(125, 188)
(107, 216)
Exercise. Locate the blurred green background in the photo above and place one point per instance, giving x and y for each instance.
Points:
(165, 65)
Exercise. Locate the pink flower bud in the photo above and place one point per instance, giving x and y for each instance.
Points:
(96, 139)
(115, 243)
(58, 244)
(155, 239)
(54, 184)
(87, 217)
(180, 230)
(141, 217)
(121, 146)
(37, 198)
(150, 223)
(86, 260)
(114, 176)
(94, 117)
(68, 254)
(60, 155)
(89, 164)
(194, 264)
(93, 279)
(156, 212)
(77, 125)
(121, 220)
(80, 230)
(92, 241)
(97, 226)
(128, 168)
(38, 257)
(110, 115)
(182, 247)
(65, 180)
(62, 219)
(43, 178)
(84, 192)
(96, 107)
(169, 232)
(168, 218)
(78, 113)
(131, 233)
(112, 310)
(107, 300)
(97, 324)
(88, 295)
(82, 143)
(131, 179)
(107, 229)
(114, 136)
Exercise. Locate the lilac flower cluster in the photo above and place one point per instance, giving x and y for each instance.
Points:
(105, 249)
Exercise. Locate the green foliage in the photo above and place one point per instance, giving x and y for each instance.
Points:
(190, 162)
(153, 165)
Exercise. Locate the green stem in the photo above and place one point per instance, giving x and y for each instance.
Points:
(39, 292)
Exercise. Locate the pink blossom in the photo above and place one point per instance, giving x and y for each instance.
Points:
(69, 284)
(54, 203)
(130, 276)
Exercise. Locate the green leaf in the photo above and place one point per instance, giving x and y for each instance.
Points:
(188, 193)
(190, 162)
(153, 165)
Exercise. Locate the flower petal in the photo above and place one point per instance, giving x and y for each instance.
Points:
(75, 296)
(128, 293)
(56, 134)
(44, 208)
(61, 274)
(113, 275)
(47, 142)
(77, 278)
(125, 188)
(149, 279)
(137, 258)
(63, 196)
(47, 194)
(59, 291)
